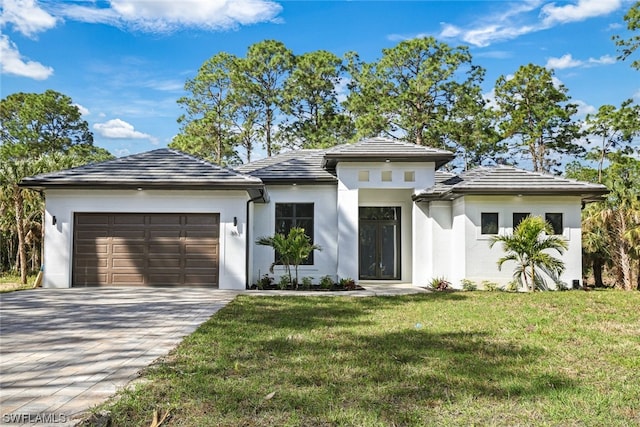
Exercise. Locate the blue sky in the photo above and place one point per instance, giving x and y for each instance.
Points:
(124, 62)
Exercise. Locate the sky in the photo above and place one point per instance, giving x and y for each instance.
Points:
(125, 62)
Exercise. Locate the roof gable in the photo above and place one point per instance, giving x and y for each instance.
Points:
(162, 168)
(509, 180)
(290, 166)
(382, 149)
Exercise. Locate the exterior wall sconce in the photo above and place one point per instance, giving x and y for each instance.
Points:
(235, 221)
(54, 220)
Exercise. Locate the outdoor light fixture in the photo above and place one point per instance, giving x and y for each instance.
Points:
(54, 220)
(235, 221)
(139, 188)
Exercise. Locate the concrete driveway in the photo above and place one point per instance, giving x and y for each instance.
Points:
(63, 351)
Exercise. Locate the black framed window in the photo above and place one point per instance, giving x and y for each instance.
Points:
(289, 215)
(489, 223)
(555, 219)
(518, 217)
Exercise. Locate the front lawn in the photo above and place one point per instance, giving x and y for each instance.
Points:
(465, 358)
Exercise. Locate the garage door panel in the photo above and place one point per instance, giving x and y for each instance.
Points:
(146, 249)
(130, 279)
(128, 220)
(170, 262)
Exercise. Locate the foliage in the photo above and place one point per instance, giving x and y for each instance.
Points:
(616, 130)
(439, 284)
(415, 88)
(347, 283)
(40, 133)
(292, 250)
(480, 358)
(610, 233)
(285, 281)
(527, 247)
(208, 122)
(307, 282)
(326, 282)
(468, 285)
(315, 118)
(259, 82)
(627, 47)
(264, 282)
(536, 115)
(490, 286)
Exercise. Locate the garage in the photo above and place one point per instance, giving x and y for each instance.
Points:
(146, 249)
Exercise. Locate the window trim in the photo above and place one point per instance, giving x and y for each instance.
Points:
(294, 219)
(555, 231)
(497, 223)
(513, 219)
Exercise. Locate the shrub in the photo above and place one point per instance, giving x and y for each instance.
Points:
(285, 281)
(264, 282)
(439, 284)
(468, 285)
(348, 283)
(307, 282)
(326, 282)
(490, 286)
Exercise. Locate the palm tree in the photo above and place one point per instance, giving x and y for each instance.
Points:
(527, 247)
(292, 249)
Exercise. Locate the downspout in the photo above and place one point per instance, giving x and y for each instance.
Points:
(247, 241)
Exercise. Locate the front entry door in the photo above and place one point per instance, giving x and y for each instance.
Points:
(379, 243)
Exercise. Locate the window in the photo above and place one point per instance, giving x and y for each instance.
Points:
(518, 217)
(290, 215)
(386, 176)
(489, 223)
(409, 176)
(363, 176)
(555, 219)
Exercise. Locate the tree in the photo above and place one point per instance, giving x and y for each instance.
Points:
(210, 110)
(311, 101)
(616, 129)
(33, 124)
(610, 232)
(258, 81)
(413, 89)
(621, 214)
(537, 115)
(291, 250)
(472, 133)
(627, 47)
(40, 133)
(527, 247)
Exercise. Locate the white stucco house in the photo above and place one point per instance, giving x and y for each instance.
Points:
(380, 209)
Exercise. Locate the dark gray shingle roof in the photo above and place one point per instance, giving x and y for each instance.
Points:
(373, 149)
(162, 168)
(509, 180)
(290, 166)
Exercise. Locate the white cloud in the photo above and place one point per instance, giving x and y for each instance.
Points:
(119, 129)
(583, 9)
(83, 110)
(568, 61)
(520, 18)
(11, 62)
(26, 16)
(584, 109)
(164, 16)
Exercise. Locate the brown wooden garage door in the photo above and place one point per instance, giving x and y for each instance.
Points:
(145, 249)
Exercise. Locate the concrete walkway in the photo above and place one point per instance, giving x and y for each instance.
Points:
(63, 351)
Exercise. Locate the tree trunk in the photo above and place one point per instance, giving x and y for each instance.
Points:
(22, 250)
(597, 273)
(623, 258)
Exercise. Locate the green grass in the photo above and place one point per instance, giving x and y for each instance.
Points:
(472, 358)
(11, 282)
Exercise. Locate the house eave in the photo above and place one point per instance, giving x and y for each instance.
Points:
(331, 160)
(139, 185)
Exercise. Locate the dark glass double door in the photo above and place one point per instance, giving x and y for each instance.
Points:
(379, 247)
